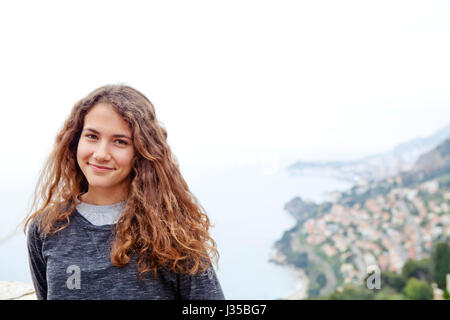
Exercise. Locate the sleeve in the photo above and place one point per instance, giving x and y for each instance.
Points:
(37, 263)
(204, 286)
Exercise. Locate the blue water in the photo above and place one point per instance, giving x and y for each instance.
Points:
(245, 203)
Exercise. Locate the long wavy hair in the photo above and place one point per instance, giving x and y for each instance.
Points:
(163, 222)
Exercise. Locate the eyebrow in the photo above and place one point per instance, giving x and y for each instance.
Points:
(114, 135)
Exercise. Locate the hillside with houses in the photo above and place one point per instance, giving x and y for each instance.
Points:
(381, 222)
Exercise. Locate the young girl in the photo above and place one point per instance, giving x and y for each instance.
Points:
(118, 220)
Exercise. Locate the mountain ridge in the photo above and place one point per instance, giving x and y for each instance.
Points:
(377, 166)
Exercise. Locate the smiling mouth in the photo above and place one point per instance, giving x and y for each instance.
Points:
(100, 167)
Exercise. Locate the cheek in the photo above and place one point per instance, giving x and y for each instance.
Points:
(125, 159)
(83, 152)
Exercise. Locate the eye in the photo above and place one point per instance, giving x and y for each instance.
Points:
(91, 136)
(122, 142)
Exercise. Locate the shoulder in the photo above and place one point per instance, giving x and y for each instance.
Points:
(202, 286)
(36, 225)
(34, 230)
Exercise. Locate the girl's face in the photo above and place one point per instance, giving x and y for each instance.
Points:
(105, 149)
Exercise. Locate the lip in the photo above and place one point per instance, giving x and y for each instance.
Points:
(99, 168)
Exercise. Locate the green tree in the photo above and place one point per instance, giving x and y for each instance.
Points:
(420, 269)
(418, 290)
(352, 292)
(441, 264)
(446, 295)
(321, 280)
(388, 293)
(393, 280)
(299, 259)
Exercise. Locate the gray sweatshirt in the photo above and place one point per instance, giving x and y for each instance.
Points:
(75, 264)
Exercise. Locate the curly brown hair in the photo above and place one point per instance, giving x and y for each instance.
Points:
(163, 222)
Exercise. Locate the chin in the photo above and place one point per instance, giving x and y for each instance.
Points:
(100, 184)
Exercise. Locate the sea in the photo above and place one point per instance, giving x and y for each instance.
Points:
(245, 204)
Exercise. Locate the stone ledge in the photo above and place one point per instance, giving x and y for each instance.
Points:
(12, 290)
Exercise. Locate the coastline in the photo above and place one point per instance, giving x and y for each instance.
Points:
(301, 289)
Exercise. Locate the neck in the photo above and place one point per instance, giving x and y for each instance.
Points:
(103, 197)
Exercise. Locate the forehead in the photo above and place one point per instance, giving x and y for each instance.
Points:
(103, 117)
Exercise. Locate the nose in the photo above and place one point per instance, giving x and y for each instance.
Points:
(102, 152)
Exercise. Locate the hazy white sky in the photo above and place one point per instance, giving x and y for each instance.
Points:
(231, 80)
